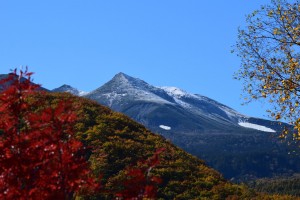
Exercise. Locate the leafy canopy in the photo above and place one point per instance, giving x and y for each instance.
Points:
(40, 158)
(269, 49)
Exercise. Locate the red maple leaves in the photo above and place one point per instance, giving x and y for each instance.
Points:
(140, 183)
(39, 154)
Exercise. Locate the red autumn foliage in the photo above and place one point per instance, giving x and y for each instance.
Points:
(40, 158)
(140, 183)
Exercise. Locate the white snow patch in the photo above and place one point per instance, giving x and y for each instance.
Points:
(149, 96)
(182, 103)
(178, 95)
(82, 93)
(175, 91)
(165, 127)
(257, 127)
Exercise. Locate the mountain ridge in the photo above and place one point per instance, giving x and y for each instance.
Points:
(203, 127)
(137, 83)
(121, 85)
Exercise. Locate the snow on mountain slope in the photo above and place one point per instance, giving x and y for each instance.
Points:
(256, 127)
(82, 93)
(167, 128)
(174, 91)
(195, 102)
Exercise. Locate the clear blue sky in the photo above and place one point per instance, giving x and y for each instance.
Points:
(164, 42)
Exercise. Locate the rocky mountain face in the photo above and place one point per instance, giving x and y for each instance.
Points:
(239, 146)
(69, 89)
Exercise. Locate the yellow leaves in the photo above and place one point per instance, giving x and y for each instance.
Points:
(278, 116)
(292, 110)
(261, 68)
(281, 136)
(287, 97)
(276, 31)
(270, 13)
(292, 60)
(296, 135)
(282, 99)
(288, 85)
(273, 69)
(292, 66)
(284, 133)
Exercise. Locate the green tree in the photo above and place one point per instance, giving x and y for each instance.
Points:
(269, 48)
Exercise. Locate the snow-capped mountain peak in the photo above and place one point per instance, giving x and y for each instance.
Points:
(122, 78)
(140, 100)
(124, 81)
(126, 88)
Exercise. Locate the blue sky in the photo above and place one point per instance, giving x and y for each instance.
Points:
(164, 42)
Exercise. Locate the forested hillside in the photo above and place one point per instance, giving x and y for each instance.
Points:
(118, 142)
(280, 185)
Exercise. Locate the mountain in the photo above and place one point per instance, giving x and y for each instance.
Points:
(69, 89)
(239, 146)
(117, 142)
